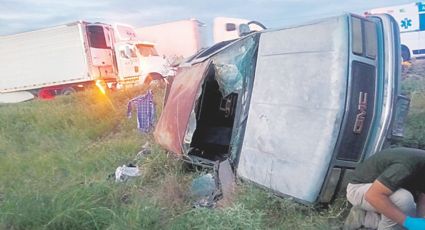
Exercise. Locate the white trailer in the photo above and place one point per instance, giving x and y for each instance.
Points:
(60, 60)
(185, 38)
(175, 39)
(411, 21)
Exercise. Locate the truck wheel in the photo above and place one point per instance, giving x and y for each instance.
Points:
(405, 53)
(148, 80)
(153, 77)
(46, 94)
(68, 91)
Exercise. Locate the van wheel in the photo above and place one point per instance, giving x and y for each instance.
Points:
(68, 91)
(405, 53)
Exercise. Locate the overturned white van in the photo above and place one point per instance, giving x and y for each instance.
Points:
(293, 109)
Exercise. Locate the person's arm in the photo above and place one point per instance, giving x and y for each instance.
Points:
(420, 205)
(378, 196)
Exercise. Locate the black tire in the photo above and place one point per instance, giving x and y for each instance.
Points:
(152, 77)
(68, 91)
(405, 53)
(148, 80)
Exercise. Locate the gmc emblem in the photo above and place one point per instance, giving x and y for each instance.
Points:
(361, 115)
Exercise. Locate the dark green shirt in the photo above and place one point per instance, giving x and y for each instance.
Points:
(395, 168)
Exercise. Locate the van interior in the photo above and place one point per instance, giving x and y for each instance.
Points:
(215, 116)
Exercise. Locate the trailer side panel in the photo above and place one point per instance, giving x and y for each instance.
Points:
(43, 58)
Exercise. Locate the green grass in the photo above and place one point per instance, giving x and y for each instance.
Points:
(55, 158)
(413, 85)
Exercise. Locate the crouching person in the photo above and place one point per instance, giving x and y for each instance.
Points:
(390, 183)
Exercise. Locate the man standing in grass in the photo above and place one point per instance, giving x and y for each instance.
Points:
(389, 183)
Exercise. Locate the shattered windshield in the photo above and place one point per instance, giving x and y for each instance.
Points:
(235, 64)
(225, 94)
(235, 68)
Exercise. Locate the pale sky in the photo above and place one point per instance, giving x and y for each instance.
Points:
(25, 15)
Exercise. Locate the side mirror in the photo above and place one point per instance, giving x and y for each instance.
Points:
(244, 30)
(123, 54)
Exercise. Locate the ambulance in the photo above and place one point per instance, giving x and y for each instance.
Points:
(411, 21)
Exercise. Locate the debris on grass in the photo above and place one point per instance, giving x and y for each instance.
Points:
(145, 111)
(214, 189)
(146, 150)
(204, 191)
(125, 172)
(228, 184)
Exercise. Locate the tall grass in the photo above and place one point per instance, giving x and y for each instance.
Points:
(55, 158)
(413, 85)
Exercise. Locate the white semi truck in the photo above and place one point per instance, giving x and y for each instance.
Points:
(62, 60)
(152, 65)
(411, 21)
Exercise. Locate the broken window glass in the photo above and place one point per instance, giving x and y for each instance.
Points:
(234, 64)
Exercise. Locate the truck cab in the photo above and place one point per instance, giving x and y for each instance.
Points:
(126, 53)
(294, 109)
(153, 66)
(138, 61)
